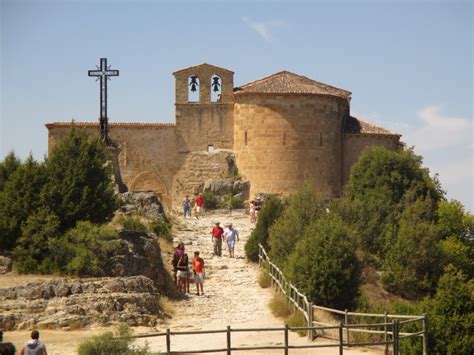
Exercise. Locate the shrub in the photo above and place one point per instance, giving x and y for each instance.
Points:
(297, 319)
(210, 200)
(32, 247)
(234, 202)
(117, 342)
(7, 167)
(84, 250)
(161, 229)
(279, 306)
(132, 224)
(271, 210)
(303, 207)
(324, 265)
(264, 279)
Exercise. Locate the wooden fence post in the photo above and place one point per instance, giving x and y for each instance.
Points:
(228, 340)
(286, 339)
(385, 335)
(425, 335)
(341, 340)
(310, 321)
(346, 321)
(168, 341)
(395, 329)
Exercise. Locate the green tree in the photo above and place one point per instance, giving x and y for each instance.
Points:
(324, 265)
(382, 183)
(7, 167)
(271, 211)
(80, 185)
(19, 199)
(412, 266)
(32, 247)
(451, 314)
(304, 206)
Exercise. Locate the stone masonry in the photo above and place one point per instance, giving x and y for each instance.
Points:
(278, 130)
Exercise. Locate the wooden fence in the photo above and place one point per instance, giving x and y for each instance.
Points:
(389, 328)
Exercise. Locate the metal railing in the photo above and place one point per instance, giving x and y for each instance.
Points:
(389, 329)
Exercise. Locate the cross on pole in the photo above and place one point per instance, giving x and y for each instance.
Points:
(103, 73)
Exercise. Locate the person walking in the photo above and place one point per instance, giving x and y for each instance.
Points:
(231, 235)
(183, 273)
(198, 268)
(34, 346)
(216, 237)
(252, 212)
(187, 206)
(178, 254)
(199, 206)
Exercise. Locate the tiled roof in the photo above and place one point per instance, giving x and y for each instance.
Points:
(111, 124)
(200, 65)
(285, 82)
(355, 125)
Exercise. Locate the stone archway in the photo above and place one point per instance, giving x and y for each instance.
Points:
(149, 181)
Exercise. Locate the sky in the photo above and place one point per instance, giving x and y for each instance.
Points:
(408, 64)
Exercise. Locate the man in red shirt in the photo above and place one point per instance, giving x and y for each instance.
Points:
(199, 205)
(217, 233)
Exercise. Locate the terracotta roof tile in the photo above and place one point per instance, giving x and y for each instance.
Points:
(111, 124)
(355, 125)
(285, 82)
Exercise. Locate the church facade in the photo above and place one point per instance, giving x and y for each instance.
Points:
(276, 131)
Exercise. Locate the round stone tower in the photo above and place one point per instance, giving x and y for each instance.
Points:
(288, 128)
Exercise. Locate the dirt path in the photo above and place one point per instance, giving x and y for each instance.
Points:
(232, 296)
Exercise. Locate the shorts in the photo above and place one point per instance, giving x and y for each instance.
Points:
(199, 277)
(231, 244)
(181, 274)
(198, 209)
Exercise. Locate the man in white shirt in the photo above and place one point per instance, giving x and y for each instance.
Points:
(231, 235)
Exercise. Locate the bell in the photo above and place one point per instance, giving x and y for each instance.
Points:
(193, 87)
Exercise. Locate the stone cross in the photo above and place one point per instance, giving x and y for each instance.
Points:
(103, 73)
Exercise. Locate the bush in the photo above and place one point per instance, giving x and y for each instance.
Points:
(210, 200)
(279, 306)
(264, 279)
(303, 207)
(161, 229)
(84, 250)
(324, 265)
(297, 319)
(117, 342)
(234, 202)
(271, 210)
(132, 224)
(32, 247)
(7, 167)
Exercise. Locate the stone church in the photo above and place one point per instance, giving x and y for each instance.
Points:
(274, 131)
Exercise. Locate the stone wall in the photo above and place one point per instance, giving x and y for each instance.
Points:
(354, 144)
(278, 139)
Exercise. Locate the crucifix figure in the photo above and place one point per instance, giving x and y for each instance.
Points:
(103, 73)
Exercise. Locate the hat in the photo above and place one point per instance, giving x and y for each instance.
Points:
(258, 197)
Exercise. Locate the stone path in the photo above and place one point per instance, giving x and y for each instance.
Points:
(232, 295)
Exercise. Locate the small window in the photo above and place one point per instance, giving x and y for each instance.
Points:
(210, 148)
(245, 138)
(193, 88)
(284, 138)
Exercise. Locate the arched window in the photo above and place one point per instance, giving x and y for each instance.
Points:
(216, 88)
(193, 88)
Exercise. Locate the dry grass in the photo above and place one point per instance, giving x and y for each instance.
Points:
(280, 306)
(13, 279)
(297, 319)
(264, 279)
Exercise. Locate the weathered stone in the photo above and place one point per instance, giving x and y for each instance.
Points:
(5, 264)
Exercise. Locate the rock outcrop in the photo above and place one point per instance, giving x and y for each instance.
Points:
(5, 264)
(76, 303)
(145, 204)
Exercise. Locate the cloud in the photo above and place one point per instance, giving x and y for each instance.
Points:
(262, 28)
(440, 131)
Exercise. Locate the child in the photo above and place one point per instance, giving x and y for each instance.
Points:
(198, 266)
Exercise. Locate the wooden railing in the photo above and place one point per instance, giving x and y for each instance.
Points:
(389, 328)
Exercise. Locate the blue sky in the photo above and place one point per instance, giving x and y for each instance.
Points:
(409, 64)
